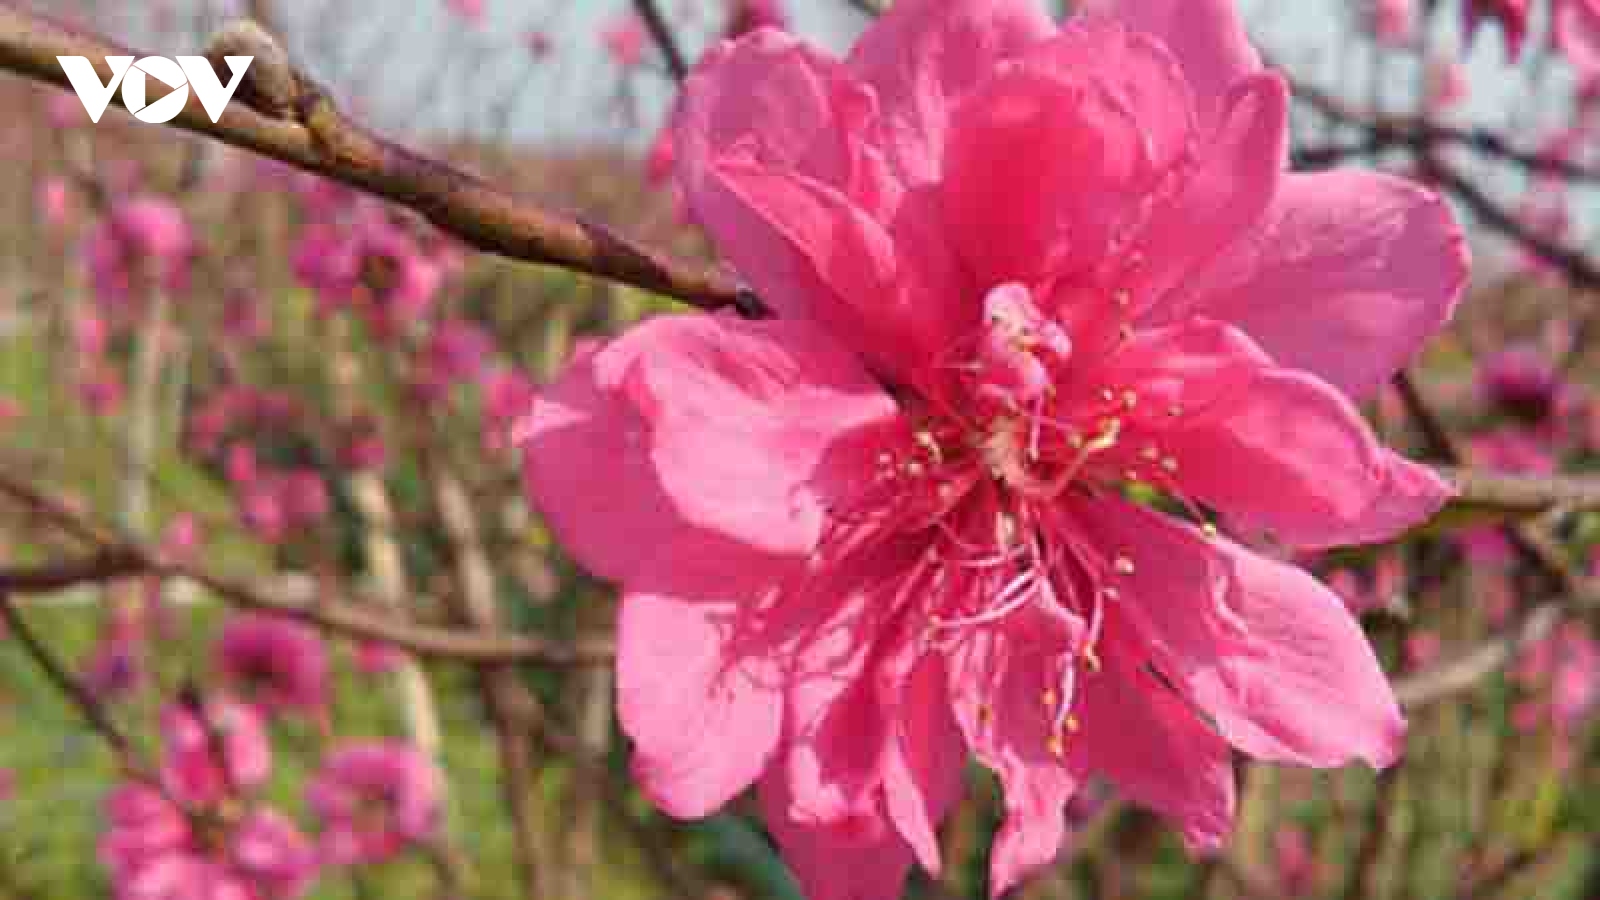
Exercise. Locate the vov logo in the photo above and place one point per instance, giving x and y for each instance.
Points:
(179, 75)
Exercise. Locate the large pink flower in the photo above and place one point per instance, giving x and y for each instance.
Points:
(1023, 274)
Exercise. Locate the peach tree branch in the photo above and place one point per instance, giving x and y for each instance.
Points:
(281, 114)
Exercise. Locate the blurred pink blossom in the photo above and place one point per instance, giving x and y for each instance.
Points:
(508, 398)
(276, 664)
(1447, 85)
(154, 851)
(1393, 21)
(213, 750)
(375, 800)
(144, 242)
(472, 11)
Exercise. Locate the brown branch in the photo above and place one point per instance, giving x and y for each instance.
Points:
(1417, 131)
(1524, 493)
(506, 697)
(661, 33)
(117, 558)
(64, 681)
(307, 131)
(1576, 592)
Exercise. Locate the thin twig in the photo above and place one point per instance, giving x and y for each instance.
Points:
(118, 559)
(661, 33)
(64, 681)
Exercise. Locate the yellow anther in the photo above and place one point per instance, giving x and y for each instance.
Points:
(1123, 565)
(1130, 399)
(1209, 529)
(1056, 745)
(1049, 699)
(1170, 464)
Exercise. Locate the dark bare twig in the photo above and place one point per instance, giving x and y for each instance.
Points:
(661, 32)
(64, 681)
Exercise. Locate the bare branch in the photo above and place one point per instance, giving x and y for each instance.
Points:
(661, 33)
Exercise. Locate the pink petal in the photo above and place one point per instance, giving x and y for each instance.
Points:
(1347, 275)
(860, 859)
(923, 770)
(922, 55)
(1234, 179)
(587, 469)
(745, 418)
(703, 435)
(703, 710)
(769, 104)
(1080, 145)
(1317, 475)
(1267, 652)
(1304, 686)
(774, 98)
(998, 681)
(1134, 67)
(884, 291)
(1148, 742)
(838, 730)
(1207, 37)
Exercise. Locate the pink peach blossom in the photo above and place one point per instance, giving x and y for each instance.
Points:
(1519, 381)
(371, 267)
(1015, 269)
(144, 242)
(154, 851)
(374, 799)
(213, 750)
(53, 201)
(276, 664)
